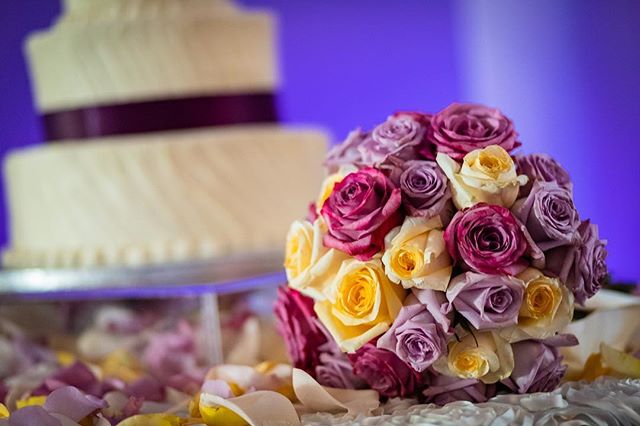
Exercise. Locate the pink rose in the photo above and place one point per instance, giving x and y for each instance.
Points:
(360, 211)
(302, 332)
(461, 128)
(385, 372)
(489, 239)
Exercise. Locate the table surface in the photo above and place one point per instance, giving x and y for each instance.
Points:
(223, 275)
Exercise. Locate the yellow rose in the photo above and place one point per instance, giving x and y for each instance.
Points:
(361, 303)
(482, 355)
(487, 175)
(546, 309)
(309, 265)
(416, 256)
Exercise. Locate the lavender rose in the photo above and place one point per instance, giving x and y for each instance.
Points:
(487, 301)
(425, 189)
(541, 167)
(537, 367)
(488, 238)
(549, 215)
(581, 266)
(461, 128)
(392, 142)
(297, 323)
(385, 372)
(346, 153)
(415, 336)
(444, 389)
(360, 211)
(336, 371)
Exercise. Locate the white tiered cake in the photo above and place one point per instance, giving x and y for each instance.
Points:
(166, 111)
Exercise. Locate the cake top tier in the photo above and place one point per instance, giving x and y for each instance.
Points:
(105, 10)
(104, 52)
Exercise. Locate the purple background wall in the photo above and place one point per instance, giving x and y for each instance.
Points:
(568, 73)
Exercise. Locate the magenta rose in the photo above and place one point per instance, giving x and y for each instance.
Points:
(415, 336)
(296, 321)
(442, 389)
(541, 168)
(537, 367)
(486, 301)
(346, 153)
(488, 238)
(360, 211)
(581, 266)
(461, 128)
(549, 214)
(385, 372)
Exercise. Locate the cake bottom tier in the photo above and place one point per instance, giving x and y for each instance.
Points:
(158, 198)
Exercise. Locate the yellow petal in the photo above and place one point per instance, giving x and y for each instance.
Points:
(214, 416)
(65, 358)
(4, 411)
(620, 362)
(123, 365)
(593, 369)
(152, 420)
(194, 405)
(32, 400)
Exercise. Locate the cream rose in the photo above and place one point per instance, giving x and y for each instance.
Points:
(487, 175)
(482, 355)
(310, 266)
(361, 303)
(416, 256)
(547, 308)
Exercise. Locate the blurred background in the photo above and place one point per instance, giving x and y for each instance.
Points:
(567, 73)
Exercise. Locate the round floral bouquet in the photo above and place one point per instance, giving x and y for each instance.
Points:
(435, 264)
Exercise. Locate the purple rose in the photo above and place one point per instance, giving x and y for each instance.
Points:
(438, 306)
(461, 128)
(346, 153)
(488, 238)
(582, 266)
(297, 323)
(360, 211)
(425, 189)
(385, 372)
(537, 367)
(549, 214)
(336, 371)
(543, 168)
(415, 336)
(392, 142)
(486, 301)
(443, 389)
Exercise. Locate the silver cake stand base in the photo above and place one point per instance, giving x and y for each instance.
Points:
(204, 279)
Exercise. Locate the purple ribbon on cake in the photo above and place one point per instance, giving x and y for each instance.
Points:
(159, 115)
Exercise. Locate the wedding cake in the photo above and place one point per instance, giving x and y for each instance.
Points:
(163, 142)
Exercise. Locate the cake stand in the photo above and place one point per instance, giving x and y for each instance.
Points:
(205, 280)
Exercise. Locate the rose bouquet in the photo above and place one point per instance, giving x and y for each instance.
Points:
(436, 264)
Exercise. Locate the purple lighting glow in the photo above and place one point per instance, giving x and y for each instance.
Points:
(567, 73)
